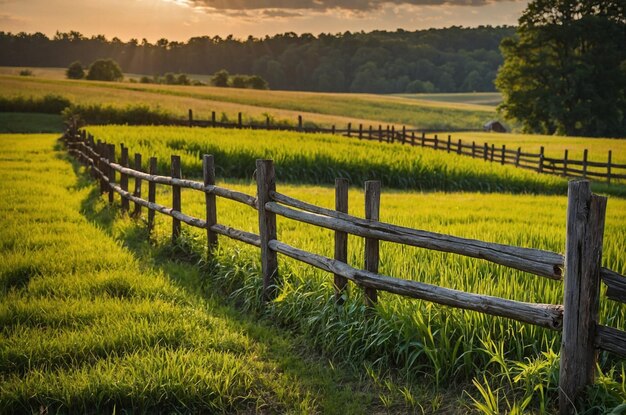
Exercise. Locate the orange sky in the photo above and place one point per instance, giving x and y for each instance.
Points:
(182, 19)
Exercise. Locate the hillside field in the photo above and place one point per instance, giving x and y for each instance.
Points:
(444, 345)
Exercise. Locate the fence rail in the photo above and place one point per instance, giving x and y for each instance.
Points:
(417, 137)
(580, 267)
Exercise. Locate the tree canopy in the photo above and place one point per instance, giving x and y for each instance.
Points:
(75, 71)
(105, 70)
(455, 59)
(565, 70)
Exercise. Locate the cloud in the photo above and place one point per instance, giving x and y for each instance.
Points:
(326, 5)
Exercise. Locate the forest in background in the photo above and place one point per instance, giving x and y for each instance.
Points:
(454, 59)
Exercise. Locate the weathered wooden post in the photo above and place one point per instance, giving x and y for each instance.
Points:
(176, 202)
(152, 192)
(585, 154)
(459, 147)
(102, 152)
(388, 133)
(370, 133)
(449, 142)
(341, 238)
(190, 118)
(608, 168)
(239, 121)
(124, 177)
(540, 165)
(403, 134)
(360, 131)
(503, 154)
(393, 133)
(213, 118)
(583, 255)
(208, 172)
(436, 142)
(299, 122)
(473, 149)
(423, 138)
(266, 183)
(565, 163)
(111, 172)
(137, 191)
(333, 130)
(267, 122)
(517, 156)
(380, 133)
(372, 253)
(349, 129)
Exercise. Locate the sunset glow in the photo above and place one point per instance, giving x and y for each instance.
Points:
(182, 19)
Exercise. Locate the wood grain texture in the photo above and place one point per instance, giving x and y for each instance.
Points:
(176, 197)
(208, 172)
(341, 238)
(266, 183)
(372, 245)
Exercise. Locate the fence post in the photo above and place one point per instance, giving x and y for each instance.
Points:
(341, 238)
(565, 163)
(213, 118)
(412, 138)
(493, 150)
(208, 172)
(608, 168)
(503, 153)
(239, 121)
(372, 212)
(517, 156)
(124, 177)
(449, 142)
(436, 142)
(403, 134)
(102, 152)
(300, 122)
(176, 203)
(267, 122)
(370, 132)
(459, 146)
(111, 158)
(388, 132)
(137, 192)
(393, 133)
(380, 133)
(583, 255)
(151, 192)
(349, 129)
(360, 131)
(333, 129)
(540, 167)
(473, 149)
(266, 183)
(585, 154)
(190, 118)
(423, 138)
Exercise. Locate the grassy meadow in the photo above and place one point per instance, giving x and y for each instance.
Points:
(321, 108)
(498, 365)
(95, 320)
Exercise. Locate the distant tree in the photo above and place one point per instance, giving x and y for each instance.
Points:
(183, 79)
(418, 87)
(239, 81)
(146, 80)
(75, 71)
(564, 72)
(220, 78)
(256, 82)
(169, 78)
(105, 70)
(26, 72)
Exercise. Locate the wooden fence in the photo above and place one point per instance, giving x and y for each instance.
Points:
(538, 162)
(580, 267)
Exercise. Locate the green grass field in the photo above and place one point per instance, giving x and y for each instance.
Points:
(426, 343)
(94, 320)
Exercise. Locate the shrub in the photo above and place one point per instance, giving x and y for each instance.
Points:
(96, 114)
(220, 78)
(256, 82)
(105, 70)
(239, 81)
(75, 71)
(26, 72)
(49, 104)
(146, 80)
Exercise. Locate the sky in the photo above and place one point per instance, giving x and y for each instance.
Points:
(182, 19)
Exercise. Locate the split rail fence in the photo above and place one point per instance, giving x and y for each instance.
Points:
(580, 267)
(538, 162)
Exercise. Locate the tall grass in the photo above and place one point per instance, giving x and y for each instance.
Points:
(512, 365)
(85, 327)
(320, 158)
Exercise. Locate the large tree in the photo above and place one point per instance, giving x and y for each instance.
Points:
(565, 70)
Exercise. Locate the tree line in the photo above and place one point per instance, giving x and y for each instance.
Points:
(454, 59)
